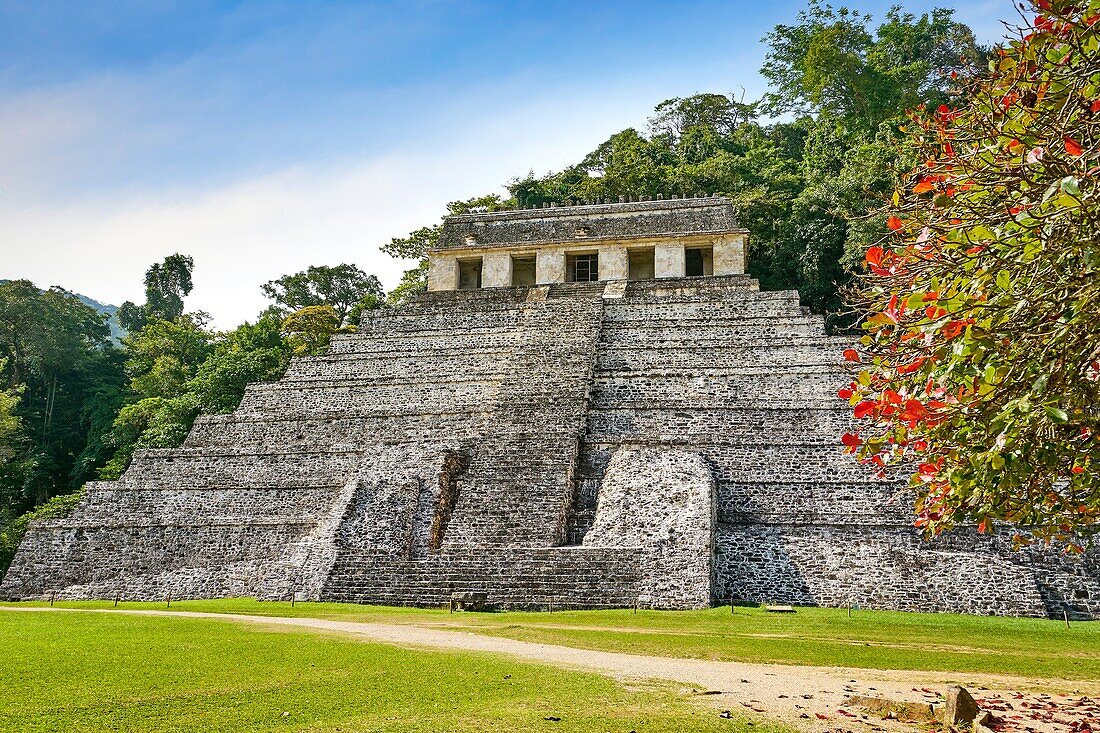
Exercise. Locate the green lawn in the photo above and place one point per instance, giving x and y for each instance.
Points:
(876, 639)
(101, 672)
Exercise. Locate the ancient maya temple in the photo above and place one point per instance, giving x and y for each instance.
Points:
(593, 406)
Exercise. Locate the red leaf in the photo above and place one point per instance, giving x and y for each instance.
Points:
(874, 256)
(863, 409)
(952, 329)
(852, 355)
(894, 223)
(851, 440)
(914, 410)
(845, 393)
(923, 186)
(1072, 146)
(1095, 106)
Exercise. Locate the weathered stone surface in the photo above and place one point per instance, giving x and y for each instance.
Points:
(468, 601)
(908, 712)
(640, 219)
(984, 721)
(959, 707)
(665, 442)
(659, 502)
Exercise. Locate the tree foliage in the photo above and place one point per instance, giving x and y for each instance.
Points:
(415, 246)
(981, 359)
(181, 370)
(833, 64)
(803, 188)
(344, 288)
(310, 329)
(57, 356)
(167, 283)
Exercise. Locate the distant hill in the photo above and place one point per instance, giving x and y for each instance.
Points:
(117, 331)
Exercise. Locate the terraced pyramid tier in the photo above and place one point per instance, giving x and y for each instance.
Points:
(671, 443)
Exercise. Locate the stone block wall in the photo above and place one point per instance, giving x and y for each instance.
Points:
(659, 503)
(747, 381)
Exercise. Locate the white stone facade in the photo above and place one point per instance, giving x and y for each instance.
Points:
(666, 232)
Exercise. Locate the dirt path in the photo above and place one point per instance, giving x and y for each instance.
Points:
(810, 698)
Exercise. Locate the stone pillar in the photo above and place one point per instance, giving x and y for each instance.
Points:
(668, 259)
(496, 270)
(614, 263)
(442, 272)
(549, 266)
(730, 255)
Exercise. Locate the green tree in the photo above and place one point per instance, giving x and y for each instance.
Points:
(981, 359)
(310, 329)
(832, 63)
(163, 356)
(166, 285)
(344, 288)
(57, 352)
(415, 246)
(250, 353)
(182, 371)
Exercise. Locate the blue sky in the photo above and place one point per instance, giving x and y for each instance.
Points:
(264, 137)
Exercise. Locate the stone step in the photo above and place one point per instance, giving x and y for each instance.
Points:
(512, 578)
(470, 364)
(655, 336)
(712, 423)
(429, 344)
(200, 467)
(444, 397)
(736, 386)
(811, 353)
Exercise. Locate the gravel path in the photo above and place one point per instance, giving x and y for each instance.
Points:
(810, 698)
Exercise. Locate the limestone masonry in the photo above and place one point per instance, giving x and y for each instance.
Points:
(593, 406)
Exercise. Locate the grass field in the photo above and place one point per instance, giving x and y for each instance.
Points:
(876, 639)
(101, 672)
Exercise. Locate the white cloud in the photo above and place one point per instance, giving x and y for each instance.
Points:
(244, 233)
(240, 235)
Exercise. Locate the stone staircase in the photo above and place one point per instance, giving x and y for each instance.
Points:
(512, 578)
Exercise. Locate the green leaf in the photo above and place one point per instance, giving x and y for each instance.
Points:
(1056, 414)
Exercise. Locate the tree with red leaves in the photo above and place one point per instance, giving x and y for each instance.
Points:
(979, 370)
